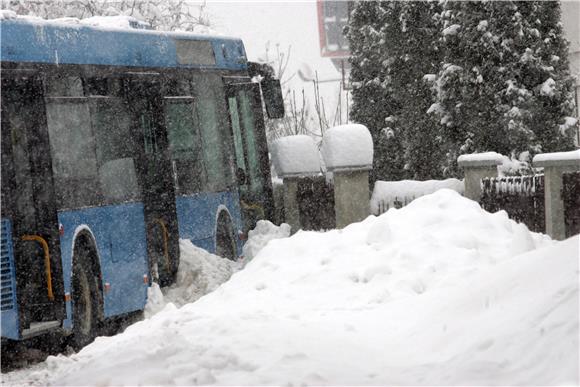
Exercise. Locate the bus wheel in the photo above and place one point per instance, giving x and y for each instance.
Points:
(225, 241)
(85, 303)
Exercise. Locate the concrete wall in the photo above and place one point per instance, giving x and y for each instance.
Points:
(571, 24)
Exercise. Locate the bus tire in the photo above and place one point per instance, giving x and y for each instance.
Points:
(225, 240)
(86, 303)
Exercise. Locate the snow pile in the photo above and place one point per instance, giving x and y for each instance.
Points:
(107, 22)
(347, 146)
(199, 273)
(546, 159)
(548, 88)
(264, 232)
(115, 22)
(295, 156)
(512, 166)
(479, 159)
(6, 14)
(389, 194)
(437, 293)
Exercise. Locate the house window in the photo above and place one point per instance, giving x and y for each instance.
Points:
(332, 18)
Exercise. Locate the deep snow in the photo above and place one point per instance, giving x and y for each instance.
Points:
(436, 293)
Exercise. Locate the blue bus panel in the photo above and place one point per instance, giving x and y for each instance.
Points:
(197, 216)
(49, 42)
(119, 233)
(9, 306)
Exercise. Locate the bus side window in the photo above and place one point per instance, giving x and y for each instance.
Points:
(72, 144)
(116, 149)
(185, 144)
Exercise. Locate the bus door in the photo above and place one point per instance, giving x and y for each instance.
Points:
(251, 152)
(28, 200)
(157, 178)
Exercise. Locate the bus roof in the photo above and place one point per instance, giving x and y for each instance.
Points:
(24, 40)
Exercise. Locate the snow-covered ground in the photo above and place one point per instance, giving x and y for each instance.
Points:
(436, 293)
(199, 273)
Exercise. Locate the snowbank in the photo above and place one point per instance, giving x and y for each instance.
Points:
(259, 237)
(346, 147)
(389, 194)
(115, 22)
(295, 156)
(6, 14)
(557, 156)
(199, 273)
(437, 293)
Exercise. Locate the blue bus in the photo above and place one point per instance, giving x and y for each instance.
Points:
(116, 144)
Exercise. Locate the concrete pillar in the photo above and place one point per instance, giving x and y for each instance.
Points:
(291, 210)
(348, 153)
(476, 167)
(555, 165)
(351, 196)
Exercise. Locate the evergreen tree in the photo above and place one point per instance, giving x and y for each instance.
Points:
(548, 78)
(373, 103)
(395, 56)
(504, 85)
(416, 57)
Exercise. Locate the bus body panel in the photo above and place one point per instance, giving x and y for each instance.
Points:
(9, 309)
(197, 217)
(45, 42)
(122, 252)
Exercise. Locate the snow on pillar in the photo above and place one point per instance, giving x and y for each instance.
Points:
(294, 157)
(477, 166)
(348, 154)
(555, 164)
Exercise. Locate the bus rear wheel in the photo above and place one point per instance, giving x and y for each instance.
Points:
(85, 303)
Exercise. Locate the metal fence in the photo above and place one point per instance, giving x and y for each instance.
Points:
(316, 203)
(522, 197)
(571, 199)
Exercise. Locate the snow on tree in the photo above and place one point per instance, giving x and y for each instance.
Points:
(504, 84)
(168, 15)
(549, 80)
(414, 58)
(499, 72)
(395, 57)
(373, 103)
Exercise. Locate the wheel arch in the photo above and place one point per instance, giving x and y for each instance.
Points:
(84, 236)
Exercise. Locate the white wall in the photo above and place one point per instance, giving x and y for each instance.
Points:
(571, 22)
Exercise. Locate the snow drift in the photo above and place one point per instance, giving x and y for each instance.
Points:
(436, 293)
